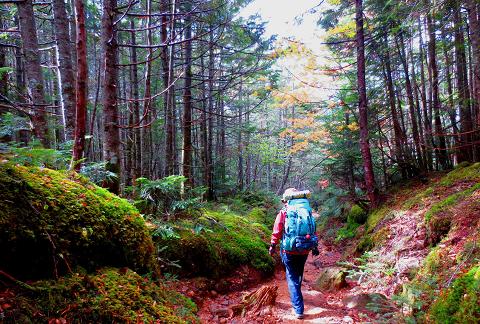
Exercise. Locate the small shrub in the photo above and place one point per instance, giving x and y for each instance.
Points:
(348, 231)
(168, 196)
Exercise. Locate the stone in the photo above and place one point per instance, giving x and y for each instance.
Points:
(375, 302)
(331, 279)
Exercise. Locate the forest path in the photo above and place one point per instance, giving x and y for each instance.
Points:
(320, 307)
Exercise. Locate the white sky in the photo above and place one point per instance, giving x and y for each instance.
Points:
(282, 20)
(281, 14)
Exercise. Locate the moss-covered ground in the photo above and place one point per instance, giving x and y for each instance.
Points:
(217, 243)
(444, 288)
(75, 244)
(52, 222)
(107, 296)
(89, 257)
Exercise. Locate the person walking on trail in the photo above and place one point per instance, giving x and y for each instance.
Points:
(295, 228)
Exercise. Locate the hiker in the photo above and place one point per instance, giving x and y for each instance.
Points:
(295, 227)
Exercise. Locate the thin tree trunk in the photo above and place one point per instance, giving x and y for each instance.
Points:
(82, 86)
(441, 152)
(426, 119)
(473, 17)
(110, 110)
(211, 66)
(33, 71)
(137, 143)
(397, 130)
(187, 104)
(170, 154)
(411, 102)
(363, 108)
(65, 69)
(465, 152)
(147, 153)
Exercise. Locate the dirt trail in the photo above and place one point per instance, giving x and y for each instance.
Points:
(320, 307)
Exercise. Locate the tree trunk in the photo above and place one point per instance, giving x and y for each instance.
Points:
(363, 108)
(135, 107)
(82, 86)
(397, 130)
(465, 151)
(170, 147)
(110, 109)
(240, 174)
(473, 17)
(33, 71)
(211, 66)
(147, 102)
(187, 104)
(411, 102)
(65, 69)
(432, 55)
(427, 123)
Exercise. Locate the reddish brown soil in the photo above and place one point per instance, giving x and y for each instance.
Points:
(320, 307)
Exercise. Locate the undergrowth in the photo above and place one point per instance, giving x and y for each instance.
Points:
(216, 243)
(109, 296)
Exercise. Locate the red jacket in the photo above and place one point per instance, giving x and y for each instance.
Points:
(278, 231)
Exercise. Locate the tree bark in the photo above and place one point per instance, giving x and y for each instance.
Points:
(397, 129)
(442, 148)
(473, 17)
(33, 71)
(112, 134)
(82, 85)
(427, 123)
(465, 151)
(411, 102)
(187, 104)
(135, 113)
(363, 108)
(66, 77)
(211, 67)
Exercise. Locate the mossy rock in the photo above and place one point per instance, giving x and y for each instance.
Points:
(51, 222)
(109, 296)
(226, 241)
(357, 215)
(331, 279)
(460, 303)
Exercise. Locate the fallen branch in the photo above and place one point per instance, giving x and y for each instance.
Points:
(253, 302)
(18, 282)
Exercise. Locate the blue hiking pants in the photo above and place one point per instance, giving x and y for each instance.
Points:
(294, 265)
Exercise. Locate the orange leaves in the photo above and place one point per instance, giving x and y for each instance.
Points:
(305, 131)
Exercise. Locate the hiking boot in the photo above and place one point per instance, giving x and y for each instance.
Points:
(299, 316)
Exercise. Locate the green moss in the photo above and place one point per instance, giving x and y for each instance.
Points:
(110, 296)
(460, 303)
(357, 215)
(376, 216)
(51, 221)
(418, 198)
(450, 201)
(216, 244)
(462, 172)
(347, 231)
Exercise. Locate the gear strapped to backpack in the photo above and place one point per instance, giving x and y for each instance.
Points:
(299, 230)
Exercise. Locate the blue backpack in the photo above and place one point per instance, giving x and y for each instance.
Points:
(299, 230)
